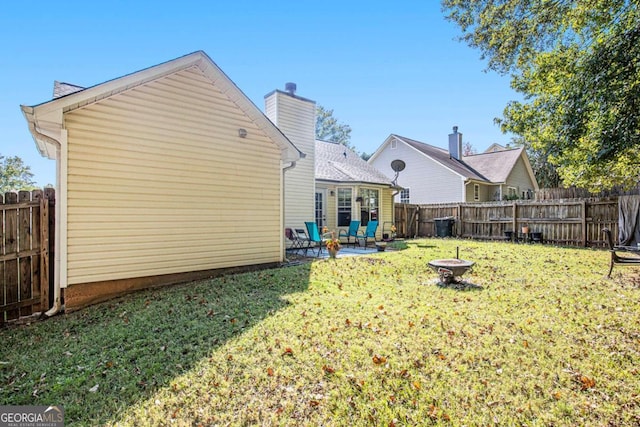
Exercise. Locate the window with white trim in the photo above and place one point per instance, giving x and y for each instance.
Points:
(476, 192)
(512, 192)
(344, 206)
(405, 196)
(369, 205)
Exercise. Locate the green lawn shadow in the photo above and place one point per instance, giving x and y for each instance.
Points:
(98, 361)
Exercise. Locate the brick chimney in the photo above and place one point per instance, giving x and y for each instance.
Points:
(455, 144)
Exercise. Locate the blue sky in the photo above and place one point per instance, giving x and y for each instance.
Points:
(383, 67)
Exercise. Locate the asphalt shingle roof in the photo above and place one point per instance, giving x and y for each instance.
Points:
(335, 162)
(442, 156)
(495, 166)
(62, 89)
(489, 167)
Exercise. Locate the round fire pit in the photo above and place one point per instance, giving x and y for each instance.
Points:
(449, 269)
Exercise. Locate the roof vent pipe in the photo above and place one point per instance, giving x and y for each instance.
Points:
(290, 88)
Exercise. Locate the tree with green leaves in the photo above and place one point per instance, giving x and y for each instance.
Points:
(329, 129)
(15, 175)
(577, 65)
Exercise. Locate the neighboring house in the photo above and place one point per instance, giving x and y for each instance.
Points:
(348, 188)
(163, 175)
(436, 175)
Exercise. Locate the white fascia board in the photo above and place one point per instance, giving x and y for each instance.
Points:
(197, 59)
(381, 148)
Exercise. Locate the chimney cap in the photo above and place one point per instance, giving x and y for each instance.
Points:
(455, 129)
(290, 87)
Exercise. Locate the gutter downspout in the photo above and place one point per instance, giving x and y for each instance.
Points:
(57, 305)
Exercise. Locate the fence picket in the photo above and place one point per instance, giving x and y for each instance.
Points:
(24, 247)
(563, 222)
(11, 275)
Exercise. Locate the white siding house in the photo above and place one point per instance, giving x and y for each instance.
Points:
(436, 175)
(164, 172)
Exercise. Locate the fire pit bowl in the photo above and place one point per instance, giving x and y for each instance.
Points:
(449, 269)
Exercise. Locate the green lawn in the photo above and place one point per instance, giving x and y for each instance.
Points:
(537, 337)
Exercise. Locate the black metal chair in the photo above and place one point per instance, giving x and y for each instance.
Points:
(303, 238)
(296, 241)
(615, 258)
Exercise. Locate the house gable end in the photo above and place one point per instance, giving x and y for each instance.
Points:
(45, 131)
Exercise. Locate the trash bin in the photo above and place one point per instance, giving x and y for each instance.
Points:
(444, 226)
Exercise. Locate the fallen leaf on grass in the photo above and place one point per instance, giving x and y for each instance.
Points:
(378, 360)
(328, 369)
(270, 372)
(287, 352)
(94, 388)
(587, 382)
(433, 412)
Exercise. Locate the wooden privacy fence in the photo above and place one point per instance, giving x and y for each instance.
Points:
(25, 239)
(562, 222)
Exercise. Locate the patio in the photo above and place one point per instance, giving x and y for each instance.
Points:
(345, 251)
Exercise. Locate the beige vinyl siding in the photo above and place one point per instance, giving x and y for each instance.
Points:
(159, 182)
(430, 182)
(386, 205)
(485, 193)
(386, 209)
(331, 208)
(296, 118)
(519, 178)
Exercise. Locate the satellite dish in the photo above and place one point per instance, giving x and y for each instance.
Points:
(398, 165)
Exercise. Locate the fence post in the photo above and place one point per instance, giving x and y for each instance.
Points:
(11, 274)
(25, 230)
(44, 254)
(583, 218)
(514, 219)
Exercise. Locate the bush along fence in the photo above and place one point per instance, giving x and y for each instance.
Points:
(26, 246)
(561, 222)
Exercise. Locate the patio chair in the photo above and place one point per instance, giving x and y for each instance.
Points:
(302, 237)
(369, 233)
(296, 241)
(354, 226)
(618, 259)
(314, 236)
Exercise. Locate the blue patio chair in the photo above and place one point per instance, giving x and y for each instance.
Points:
(351, 232)
(314, 235)
(369, 233)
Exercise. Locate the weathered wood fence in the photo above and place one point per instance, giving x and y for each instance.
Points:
(26, 245)
(561, 222)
